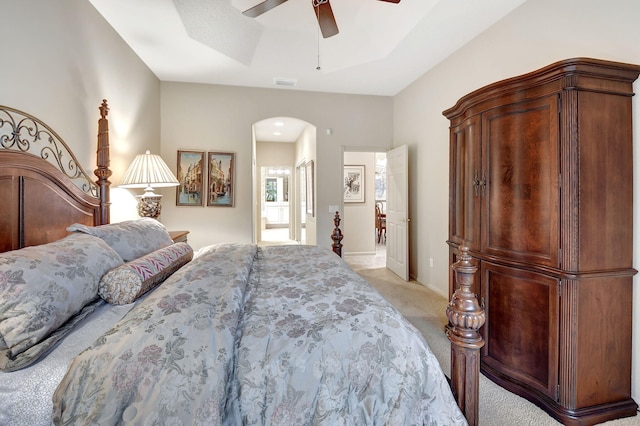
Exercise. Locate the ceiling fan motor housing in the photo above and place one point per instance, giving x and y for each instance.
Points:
(322, 8)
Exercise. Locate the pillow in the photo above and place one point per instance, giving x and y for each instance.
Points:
(10, 363)
(131, 239)
(41, 287)
(126, 283)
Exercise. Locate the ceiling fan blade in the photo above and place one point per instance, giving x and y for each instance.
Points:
(391, 1)
(263, 7)
(326, 20)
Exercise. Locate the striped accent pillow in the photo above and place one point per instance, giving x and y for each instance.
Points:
(128, 282)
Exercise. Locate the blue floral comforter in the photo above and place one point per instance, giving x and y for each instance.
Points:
(284, 335)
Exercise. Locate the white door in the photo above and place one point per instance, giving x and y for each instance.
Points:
(398, 211)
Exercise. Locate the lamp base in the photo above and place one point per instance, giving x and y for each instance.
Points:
(149, 206)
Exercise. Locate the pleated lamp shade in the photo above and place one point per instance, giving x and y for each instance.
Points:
(149, 171)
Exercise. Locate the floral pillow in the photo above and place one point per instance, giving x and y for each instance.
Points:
(131, 239)
(42, 287)
(126, 283)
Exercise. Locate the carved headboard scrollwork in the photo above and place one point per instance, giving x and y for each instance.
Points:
(43, 187)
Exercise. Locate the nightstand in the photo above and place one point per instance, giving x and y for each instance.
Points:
(178, 236)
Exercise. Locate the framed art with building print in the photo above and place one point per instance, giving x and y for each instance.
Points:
(220, 179)
(190, 191)
(354, 184)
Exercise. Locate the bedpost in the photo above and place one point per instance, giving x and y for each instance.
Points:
(466, 316)
(103, 172)
(336, 236)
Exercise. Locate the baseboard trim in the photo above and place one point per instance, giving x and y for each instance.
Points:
(436, 290)
(360, 253)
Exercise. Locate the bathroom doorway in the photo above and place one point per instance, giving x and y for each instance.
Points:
(281, 213)
(276, 204)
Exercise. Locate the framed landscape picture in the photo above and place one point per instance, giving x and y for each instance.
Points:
(191, 176)
(220, 179)
(353, 184)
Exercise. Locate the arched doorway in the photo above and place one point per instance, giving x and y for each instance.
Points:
(282, 146)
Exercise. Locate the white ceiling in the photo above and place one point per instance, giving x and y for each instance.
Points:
(381, 48)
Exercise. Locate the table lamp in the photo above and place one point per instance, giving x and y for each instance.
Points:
(149, 171)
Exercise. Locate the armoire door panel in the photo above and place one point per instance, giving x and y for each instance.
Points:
(604, 337)
(464, 219)
(520, 154)
(606, 189)
(521, 331)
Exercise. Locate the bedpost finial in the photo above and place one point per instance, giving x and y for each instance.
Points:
(466, 316)
(104, 109)
(336, 235)
(464, 312)
(102, 159)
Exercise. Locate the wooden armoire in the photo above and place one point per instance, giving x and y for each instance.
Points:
(541, 179)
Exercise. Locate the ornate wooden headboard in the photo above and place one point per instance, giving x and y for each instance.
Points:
(43, 188)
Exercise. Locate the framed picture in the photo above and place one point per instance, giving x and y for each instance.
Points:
(191, 178)
(308, 171)
(354, 184)
(221, 179)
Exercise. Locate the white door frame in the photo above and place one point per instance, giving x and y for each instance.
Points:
(398, 211)
(344, 225)
(399, 262)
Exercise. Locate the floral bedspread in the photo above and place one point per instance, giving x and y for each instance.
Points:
(285, 335)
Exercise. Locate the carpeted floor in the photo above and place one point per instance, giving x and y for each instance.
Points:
(425, 309)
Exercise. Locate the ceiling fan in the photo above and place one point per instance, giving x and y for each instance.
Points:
(322, 9)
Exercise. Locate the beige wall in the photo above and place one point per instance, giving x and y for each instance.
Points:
(273, 154)
(60, 60)
(536, 34)
(211, 117)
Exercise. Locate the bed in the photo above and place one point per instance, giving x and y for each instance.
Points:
(115, 324)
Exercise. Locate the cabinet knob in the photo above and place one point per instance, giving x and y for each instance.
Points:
(476, 183)
(479, 183)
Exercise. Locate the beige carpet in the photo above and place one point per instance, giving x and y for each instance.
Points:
(425, 309)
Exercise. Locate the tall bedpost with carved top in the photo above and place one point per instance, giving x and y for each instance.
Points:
(336, 236)
(103, 172)
(466, 316)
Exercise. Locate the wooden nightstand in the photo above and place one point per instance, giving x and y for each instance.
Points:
(178, 236)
